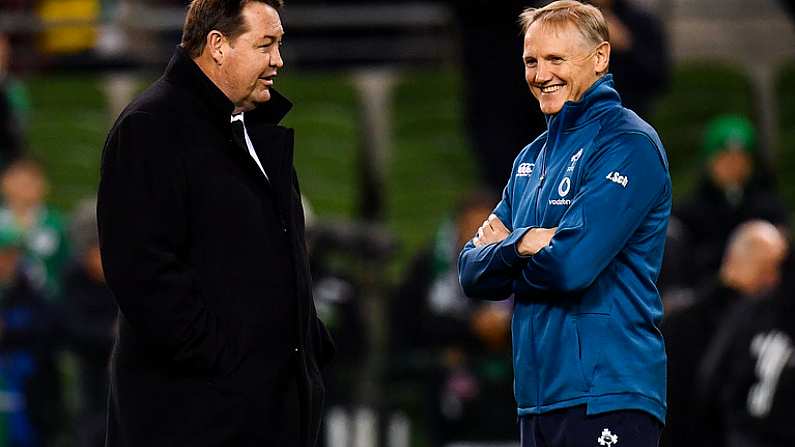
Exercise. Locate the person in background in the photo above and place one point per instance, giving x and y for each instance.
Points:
(31, 410)
(468, 383)
(749, 272)
(499, 116)
(90, 323)
(640, 60)
(24, 188)
(728, 194)
(757, 398)
(12, 100)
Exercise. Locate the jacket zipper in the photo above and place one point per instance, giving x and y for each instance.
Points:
(541, 181)
(547, 147)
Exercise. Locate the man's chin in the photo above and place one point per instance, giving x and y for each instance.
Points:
(264, 96)
(550, 108)
(252, 102)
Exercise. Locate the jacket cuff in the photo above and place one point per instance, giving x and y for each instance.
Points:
(509, 248)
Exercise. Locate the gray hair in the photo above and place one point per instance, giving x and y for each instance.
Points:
(587, 18)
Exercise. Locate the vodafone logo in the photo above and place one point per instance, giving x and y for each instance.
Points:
(564, 187)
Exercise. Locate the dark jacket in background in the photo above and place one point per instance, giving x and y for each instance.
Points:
(90, 314)
(467, 400)
(642, 71)
(89, 320)
(206, 259)
(11, 138)
(709, 217)
(32, 412)
(501, 114)
(688, 334)
(757, 395)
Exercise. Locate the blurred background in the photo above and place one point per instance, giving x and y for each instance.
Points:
(407, 117)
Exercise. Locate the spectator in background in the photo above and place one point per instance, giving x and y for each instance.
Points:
(750, 270)
(30, 412)
(758, 394)
(672, 283)
(11, 118)
(24, 187)
(337, 297)
(89, 317)
(469, 383)
(639, 60)
(728, 194)
(499, 116)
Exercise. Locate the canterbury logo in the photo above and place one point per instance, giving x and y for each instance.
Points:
(525, 169)
(615, 177)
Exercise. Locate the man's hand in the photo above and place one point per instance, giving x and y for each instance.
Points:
(491, 232)
(534, 240)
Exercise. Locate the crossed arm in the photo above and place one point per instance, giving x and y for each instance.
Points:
(494, 231)
(594, 229)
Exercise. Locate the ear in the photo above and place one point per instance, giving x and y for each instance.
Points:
(602, 57)
(215, 46)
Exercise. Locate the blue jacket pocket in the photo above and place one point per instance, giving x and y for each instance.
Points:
(592, 333)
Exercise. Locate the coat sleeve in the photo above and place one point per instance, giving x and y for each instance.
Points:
(620, 187)
(142, 217)
(482, 271)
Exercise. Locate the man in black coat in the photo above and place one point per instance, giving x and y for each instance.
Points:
(202, 240)
(696, 336)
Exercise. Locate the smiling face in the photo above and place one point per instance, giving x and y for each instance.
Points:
(249, 63)
(560, 64)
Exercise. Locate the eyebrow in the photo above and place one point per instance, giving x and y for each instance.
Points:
(273, 36)
(545, 57)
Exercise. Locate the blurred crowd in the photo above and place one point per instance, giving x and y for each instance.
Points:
(727, 282)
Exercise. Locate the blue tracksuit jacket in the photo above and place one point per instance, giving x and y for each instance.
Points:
(587, 311)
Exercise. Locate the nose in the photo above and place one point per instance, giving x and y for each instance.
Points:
(542, 74)
(276, 57)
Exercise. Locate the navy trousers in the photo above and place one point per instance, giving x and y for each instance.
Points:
(571, 427)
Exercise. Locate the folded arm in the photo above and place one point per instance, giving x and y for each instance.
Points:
(619, 188)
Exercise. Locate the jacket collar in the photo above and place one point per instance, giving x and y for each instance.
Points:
(183, 72)
(599, 97)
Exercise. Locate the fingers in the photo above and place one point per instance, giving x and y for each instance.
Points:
(478, 239)
(535, 240)
(492, 230)
(496, 223)
(484, 235)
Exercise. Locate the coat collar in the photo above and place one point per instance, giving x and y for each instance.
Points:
(183, 72)
(599, 97)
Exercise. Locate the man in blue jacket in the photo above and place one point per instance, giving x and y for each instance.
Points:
(578, 240)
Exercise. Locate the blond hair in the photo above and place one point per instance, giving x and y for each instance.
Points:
(587, 18)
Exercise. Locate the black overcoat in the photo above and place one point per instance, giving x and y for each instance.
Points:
(207, 261)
